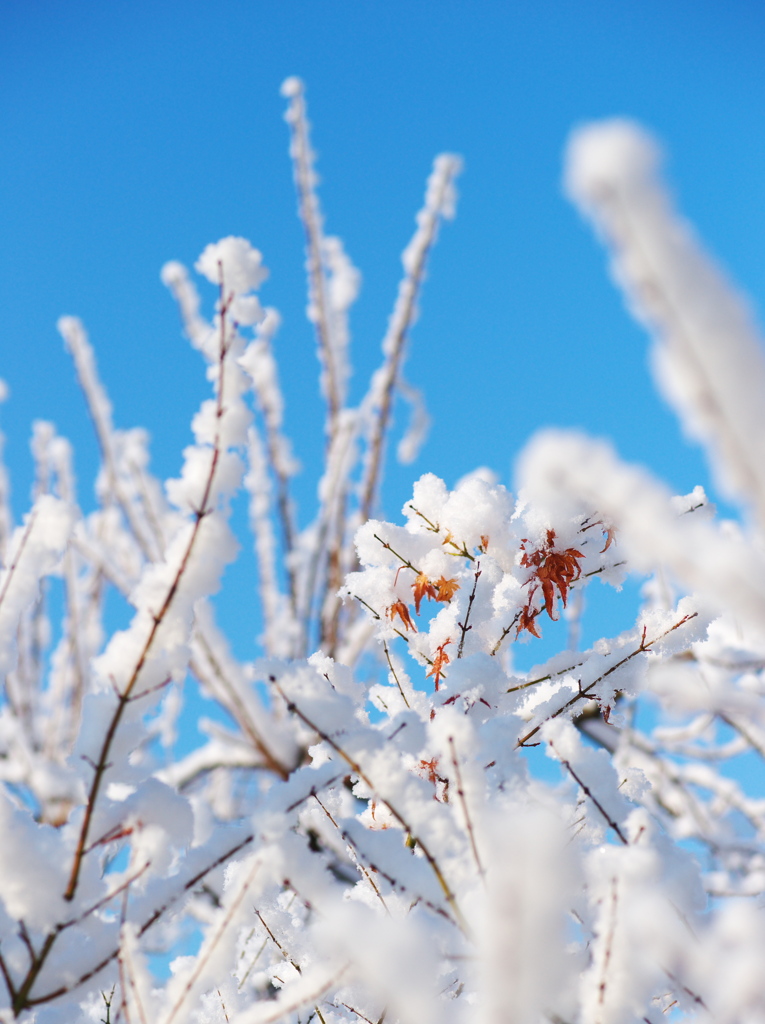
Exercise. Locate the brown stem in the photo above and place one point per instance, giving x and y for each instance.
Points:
(404, 561)
(362, 870)
(464, 625)
(103, 760)
(504, 633)
(358, 770)
(585, 693)
(57, 993)
(393, 673)
(588, 792)
(463, 802)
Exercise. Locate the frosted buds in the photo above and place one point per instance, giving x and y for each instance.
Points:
(235, 264)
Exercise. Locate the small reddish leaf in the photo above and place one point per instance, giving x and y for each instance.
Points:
(423, 588)
(554, 570)
(441, 659)
(429, 767)
(527, 621)
(400, 609)
(446, 589)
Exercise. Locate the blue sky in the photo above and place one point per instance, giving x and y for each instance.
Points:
(137, 132)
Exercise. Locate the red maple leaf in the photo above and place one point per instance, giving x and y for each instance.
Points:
(429, 767)
(422, 587)
(441, 659)
(553, 570)
(430, 771)
(446, 589)
(400, 609)
(526, 621)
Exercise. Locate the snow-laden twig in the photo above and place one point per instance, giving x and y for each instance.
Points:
(259, 363)
(100, 410)
(332, 281)
(440, 199)
(708, 356)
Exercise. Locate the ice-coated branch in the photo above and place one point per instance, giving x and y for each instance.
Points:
(588, 691)
(70, 666)
(440, 200)
(100, 410)
(325, 543)
(182, 555)
(332, 281)
(278, 637)
(223, 678)
(259, 363)
(33, 552)
(175, 277)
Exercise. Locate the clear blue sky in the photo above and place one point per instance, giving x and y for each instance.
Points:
(137, 132)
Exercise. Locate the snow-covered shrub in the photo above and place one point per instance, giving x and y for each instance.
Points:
(366, 840)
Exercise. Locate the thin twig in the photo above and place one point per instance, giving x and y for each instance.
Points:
(11, 570)
(105, 899)
(404, 561)
(463, 802)
(504, 633)
(278, 944)
(393, 673)
(394, 344)
(543, 679)
(359, 866)
(147, 924)
(464, 625)
(609, 947)
(395, 883)
(358, 770)
(585, 693)
(588, 792)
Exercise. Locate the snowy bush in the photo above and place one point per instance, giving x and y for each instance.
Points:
(366, 839)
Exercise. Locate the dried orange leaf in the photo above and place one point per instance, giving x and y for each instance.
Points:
(423, 588)
(527, 622)
(446, 589)
(441, 659)
(400, 609)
